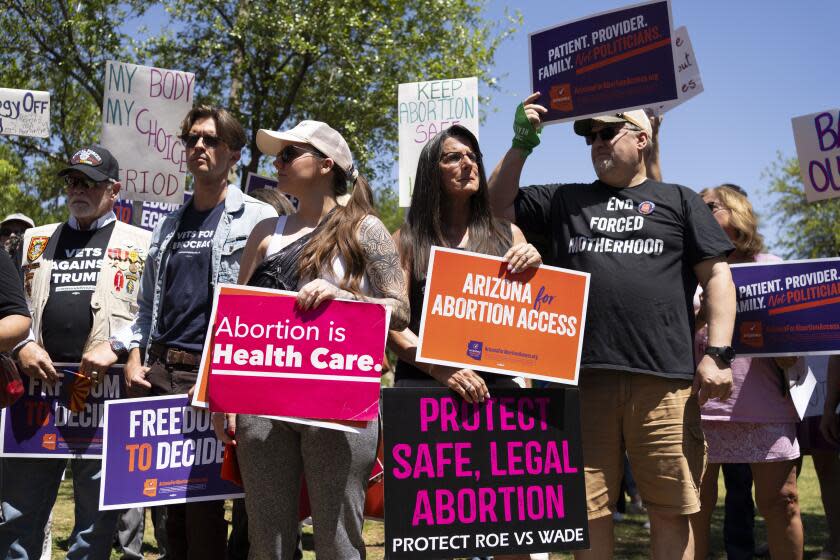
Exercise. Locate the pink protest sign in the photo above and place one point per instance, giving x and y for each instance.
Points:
(264, 356)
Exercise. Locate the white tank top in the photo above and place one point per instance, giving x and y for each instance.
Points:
(338, 267)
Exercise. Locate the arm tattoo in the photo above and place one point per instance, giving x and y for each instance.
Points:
(383, 269)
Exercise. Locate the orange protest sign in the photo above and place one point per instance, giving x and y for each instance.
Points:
(477, 315)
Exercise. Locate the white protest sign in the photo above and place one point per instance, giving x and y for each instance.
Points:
(426, 108)
(689, 83)
(24, 112)
(817, 138)
(141, 116)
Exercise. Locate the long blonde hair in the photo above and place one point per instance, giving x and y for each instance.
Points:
(743, 220)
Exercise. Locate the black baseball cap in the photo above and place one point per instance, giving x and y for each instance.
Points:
(95, 162)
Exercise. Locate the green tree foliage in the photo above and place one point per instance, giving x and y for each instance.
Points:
(58, 46)
(805, 230)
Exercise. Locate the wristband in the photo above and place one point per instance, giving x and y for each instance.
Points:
(525, 136)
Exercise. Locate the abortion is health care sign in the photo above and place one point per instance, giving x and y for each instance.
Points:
(161, 450)
(63, 420)
(501, 477)
(141, 116)
(787, 308)
(617, 60)
(426, 108)
(817, 139)
(477, 315)
(263, 355)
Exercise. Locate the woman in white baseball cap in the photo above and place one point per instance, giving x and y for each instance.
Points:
(332, 247)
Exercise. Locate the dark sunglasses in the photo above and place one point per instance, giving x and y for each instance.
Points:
(9, 232)
(291, 153)
(190, 140)
(85, 183)
(605, 134)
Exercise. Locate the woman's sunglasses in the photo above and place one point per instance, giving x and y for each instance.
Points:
(291, 153)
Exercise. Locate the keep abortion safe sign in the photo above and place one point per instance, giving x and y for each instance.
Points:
(425, 109)
(141, 117)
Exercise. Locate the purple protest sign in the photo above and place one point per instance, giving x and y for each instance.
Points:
(160, 450)
(621, 59)
(61, 421)
(787, 308)
(254, 182)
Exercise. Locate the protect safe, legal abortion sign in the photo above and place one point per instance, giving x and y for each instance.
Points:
(161, 450)
(476, 315)
(141, 118)
(616, 60)
(63, 420)
(817, 138)
(501, 477)
(787, 308)
(263, 355)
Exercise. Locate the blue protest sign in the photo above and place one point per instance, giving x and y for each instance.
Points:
(64, 420)
(787, 308)
(160, 450)
(616, 60)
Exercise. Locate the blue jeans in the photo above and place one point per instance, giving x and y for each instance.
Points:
(29, 488)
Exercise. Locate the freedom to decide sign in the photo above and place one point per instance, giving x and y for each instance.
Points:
(817, 138)
(616, 60)
(141, 117)
(161, 450)
(426, 108)
(501, 477)
(476, 315)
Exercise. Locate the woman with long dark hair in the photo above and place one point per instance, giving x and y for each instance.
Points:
(325, 250)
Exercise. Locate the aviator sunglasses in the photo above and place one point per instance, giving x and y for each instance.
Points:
(190, 140)
(84, 183)
(291, 153)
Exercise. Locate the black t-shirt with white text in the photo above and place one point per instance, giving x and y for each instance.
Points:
(67, 317)
(640, 245)
(188, 294)
(12, 301)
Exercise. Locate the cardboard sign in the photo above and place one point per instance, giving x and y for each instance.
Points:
(264, 356)
(141, 116)
(476, 315)
(790, 308)
(158, 451)
(501, 477)
(24, 112)
(689, 83)
(426, 108)
(61, 421)
(817, 138)
(613, 61)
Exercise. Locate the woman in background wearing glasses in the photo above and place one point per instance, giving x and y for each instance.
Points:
(757, 423)
(332, 247)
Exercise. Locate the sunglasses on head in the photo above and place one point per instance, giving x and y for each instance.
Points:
(291, 153)
(85, 183)
(190, 140)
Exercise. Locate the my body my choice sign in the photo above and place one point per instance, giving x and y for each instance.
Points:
(616, 60)
(476, 315)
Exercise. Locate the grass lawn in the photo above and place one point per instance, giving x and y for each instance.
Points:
(631, 536)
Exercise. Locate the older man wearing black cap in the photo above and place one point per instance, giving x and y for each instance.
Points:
(81, 280)
(646, 245)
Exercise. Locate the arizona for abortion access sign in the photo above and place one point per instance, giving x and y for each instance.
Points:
(501, 477)
(787, 308)
(158, 451)
(426, 108)
(616, 60)
(263, 355)
(817, 138)
(64, 420)
(24, 112)
(141, 116)
(477, 315)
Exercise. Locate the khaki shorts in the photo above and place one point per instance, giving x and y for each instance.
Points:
(657, 422)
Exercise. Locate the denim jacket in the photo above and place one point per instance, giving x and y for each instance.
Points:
(241, 214)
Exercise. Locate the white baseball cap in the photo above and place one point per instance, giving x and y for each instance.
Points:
(18, 217)
(318, 134)
(637, 118)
